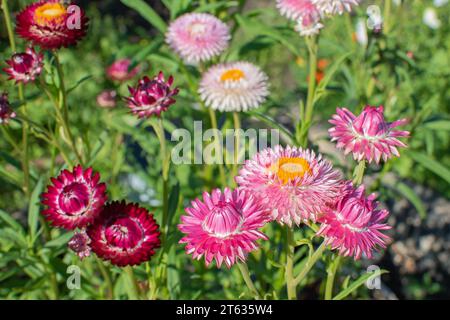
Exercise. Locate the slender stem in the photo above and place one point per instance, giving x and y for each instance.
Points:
(65, 109)
(214, 126)
(10, 139)
(331, 273)
(248, 281)
(237, 142)
(310, 263)
(134, 293)
(54, 286)
(386, 14)
(106, 275)
(151, 282)
(289, 273)
(8, 23)
(312, 44)
(359, 172)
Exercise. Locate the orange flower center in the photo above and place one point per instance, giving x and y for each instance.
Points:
(50, 13)
(232, 75)
(287, 169)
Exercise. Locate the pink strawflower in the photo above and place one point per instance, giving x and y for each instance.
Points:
(333, 7)
(79, 244)
(124, 234)
(121, 70)
(74, 199)
(299, 10)
(25, 67)
(198, 37)
(51, 24)
(295, 184)
(224, 226)
(6, 113)
(107, 99)
(151, 97)
(368, 136)
(354, 225)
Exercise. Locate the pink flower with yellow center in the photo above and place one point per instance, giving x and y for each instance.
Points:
(25, 67)
(74, 199)
(368, 136)
(295, 184)
(52, 25)
(124, 234)
(198, 37)
(235, 86)
(152, 97)
(354, 225)
(224, 226)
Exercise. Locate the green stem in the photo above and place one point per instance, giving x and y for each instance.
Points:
(106, 275)
(359, 172)
(214, 126)
(312, 45)
(133, 294)
(151, 282)
(310, 263)
(237, 129)
(65, 109)
(289, 275)
(9, 27)
(331, 273)
(248, 281)
(386, 14)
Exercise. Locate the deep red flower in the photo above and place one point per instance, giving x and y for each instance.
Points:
(124, 234)
(74, 199)
(151, 97)
(26, 66)
(52, 25)
(6, 112)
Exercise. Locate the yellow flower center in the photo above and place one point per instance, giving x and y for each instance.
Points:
(50, 12)
(197, 29)
(232, 75)
(287, 169)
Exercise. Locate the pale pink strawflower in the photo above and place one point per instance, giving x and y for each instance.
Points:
(299, 10)
(74, 199)
(333, 7)
(79, 244)
(234, 86)
(224, 226)
(107, 99)
(368, 136)
(151, 97)
(354, 225)
(121, 70)
(198, 37)
(308, 29)
(25, 67)
(295, 184)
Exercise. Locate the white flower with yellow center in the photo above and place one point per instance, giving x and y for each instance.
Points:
(235, 86)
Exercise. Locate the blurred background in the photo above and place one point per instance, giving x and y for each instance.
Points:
(404, 66)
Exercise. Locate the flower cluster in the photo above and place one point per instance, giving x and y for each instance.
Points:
(122, 233)
(6, 112)
(308, 13)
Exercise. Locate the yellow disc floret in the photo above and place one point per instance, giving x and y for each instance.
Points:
(232, 75)
(50, 13)
(287, 169)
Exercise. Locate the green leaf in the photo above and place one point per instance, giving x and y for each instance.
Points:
(60, 241)
(147, 13)
(270, 121)
(174, 199)
(430, 164)
(412, 197)
(34, 208)
(79, 82)
(439, 125)
(10, 221)
(357, 283)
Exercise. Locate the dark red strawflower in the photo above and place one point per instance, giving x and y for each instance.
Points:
(6, 112)
(79, 244)
(74, 199)
(124, 234)
(151, 97)
(25, 67)
(51, 24)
